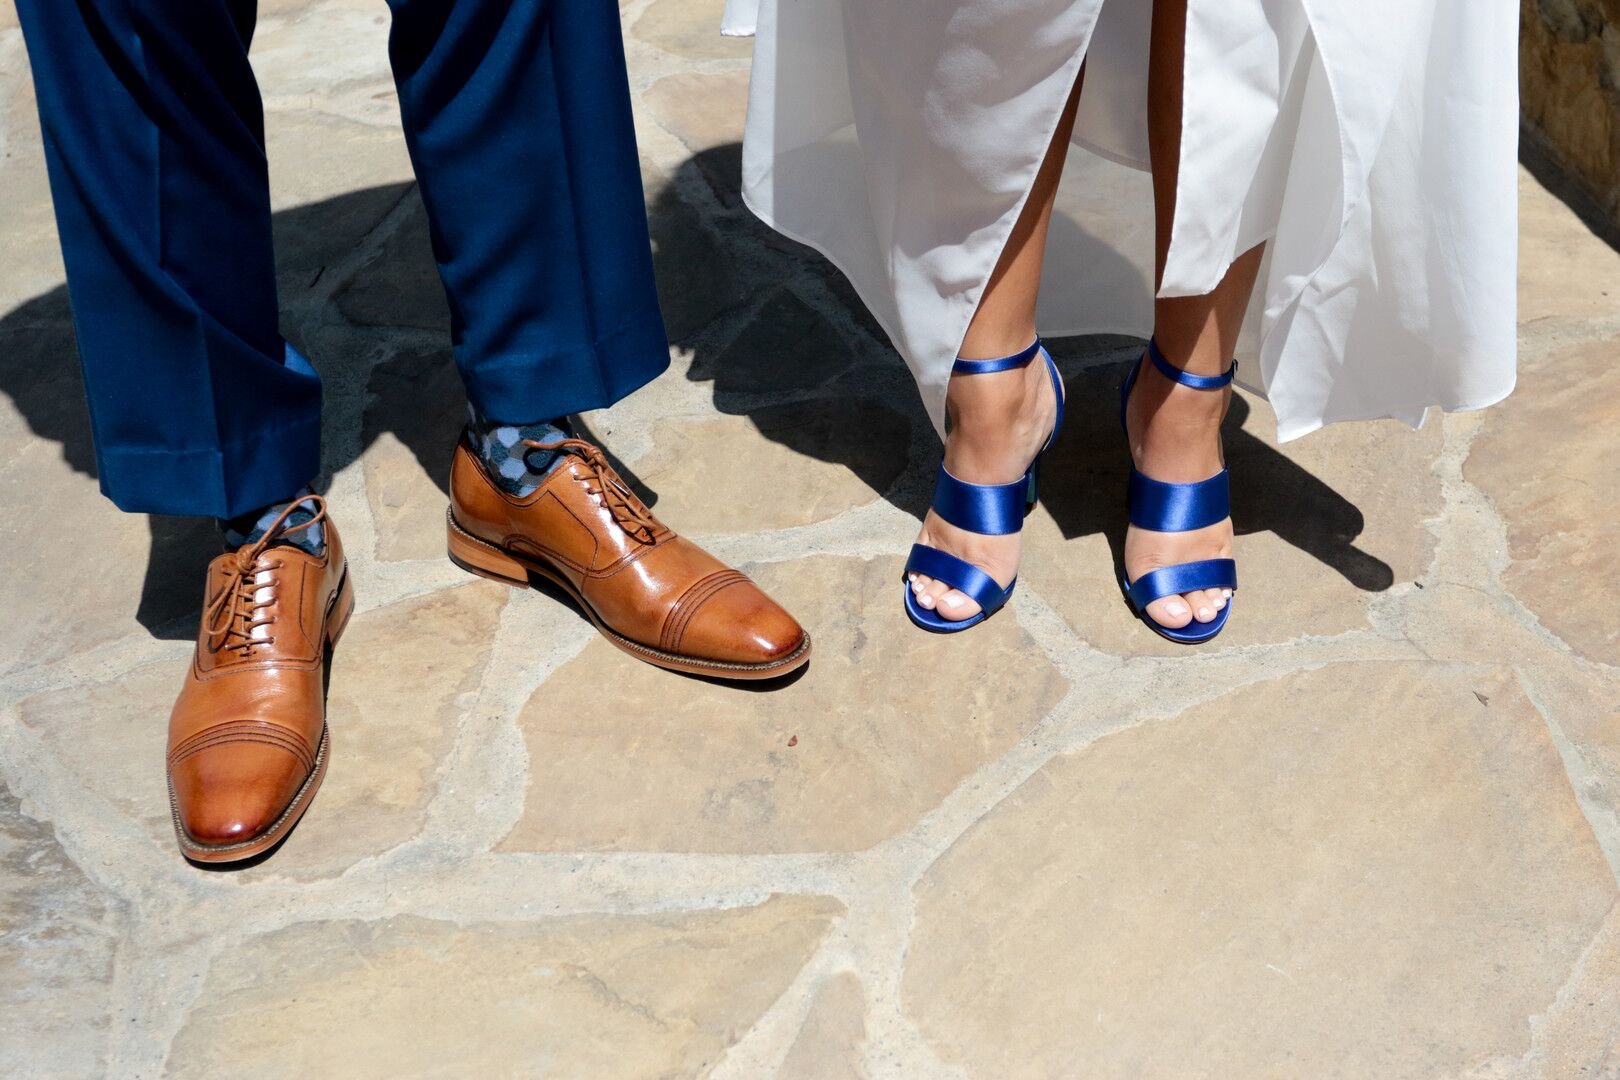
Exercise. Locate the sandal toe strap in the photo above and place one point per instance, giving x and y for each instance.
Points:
(1164, 507)
(1185, 578)
(963, 576)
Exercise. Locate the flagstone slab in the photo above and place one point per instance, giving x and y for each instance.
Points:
(399, 286)
(590, 996)
(1372, 869)
(1579, 1037)
(779, 467)
(697, 279)
(702, 109)
(329, 57)
(832, 1043)
(1324, 524)
(706, 112)
(59, 937)
(401, 681)
(690, 29)
(885, 723)
(332, 181)
(1543, 458)
(148, 571)
(1565, 273)
(1583, 705)
(787, 346)
(19, 116)
(33, 284)
(416, 415)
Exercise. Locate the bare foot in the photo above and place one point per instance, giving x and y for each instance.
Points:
(998, 423)
(1175, 436)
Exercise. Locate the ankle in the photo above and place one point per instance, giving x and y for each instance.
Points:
(250, 527)
(1179, 441)
(508, 451)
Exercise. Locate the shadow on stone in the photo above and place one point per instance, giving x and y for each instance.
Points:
(1537, 156)
(789, 348)
(786, 349)
(1270, 493)
(417, 395)
(39, 372)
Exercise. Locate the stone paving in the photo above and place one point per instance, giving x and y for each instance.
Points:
(1374, 833)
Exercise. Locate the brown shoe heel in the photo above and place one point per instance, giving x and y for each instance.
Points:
(486, 560)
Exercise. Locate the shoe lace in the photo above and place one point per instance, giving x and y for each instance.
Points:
(238, 611)
(600, 479)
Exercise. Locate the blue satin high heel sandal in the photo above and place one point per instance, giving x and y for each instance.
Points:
(989, 509)
(1164, 507)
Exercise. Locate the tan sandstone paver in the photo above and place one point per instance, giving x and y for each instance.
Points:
(783, 466)
(1580, 1035)
(830, 1045)
(1543, 458)
(416, 414)
(1565, 274)
(847, 756)
(58, 936)
(703, 111)
(314, 158)
(1373, 832)
(689, 28)
(1343, 873)
(591, 996)
(392, 722)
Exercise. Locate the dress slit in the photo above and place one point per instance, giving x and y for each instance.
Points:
(1371, 141)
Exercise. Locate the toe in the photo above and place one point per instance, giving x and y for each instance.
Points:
(1202, 602)
(930, 597)
(919, 584)
(957, 605)
(1172, 612)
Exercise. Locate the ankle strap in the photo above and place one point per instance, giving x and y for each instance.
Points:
(1000, 363)
(1175, 374)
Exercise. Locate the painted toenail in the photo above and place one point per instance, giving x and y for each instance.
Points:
(1205, 614)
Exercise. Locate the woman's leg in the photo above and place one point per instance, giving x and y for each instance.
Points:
(999, 422)
(1174, 429)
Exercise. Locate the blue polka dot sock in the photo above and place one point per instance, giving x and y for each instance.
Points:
(251, 527)
(516, 467)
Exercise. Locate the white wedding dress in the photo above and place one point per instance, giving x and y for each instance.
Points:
(1372, 143)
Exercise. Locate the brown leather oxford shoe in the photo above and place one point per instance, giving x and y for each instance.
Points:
(658, 597)
(248, 744)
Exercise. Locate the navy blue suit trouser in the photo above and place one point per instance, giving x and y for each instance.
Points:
(517, 117)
